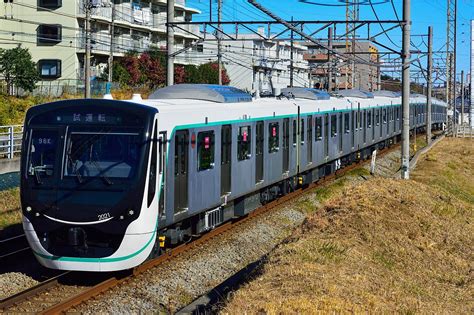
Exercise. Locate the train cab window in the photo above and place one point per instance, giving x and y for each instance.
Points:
(346, 123)
(369, 118)
(205, 149)
(302, 131)
(42, 155)
(319, 128)
(152, 174)
(273, 137)
(244, 143)
(333, 126)
(384, 116)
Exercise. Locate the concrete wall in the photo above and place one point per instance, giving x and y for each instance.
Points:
(9, 165)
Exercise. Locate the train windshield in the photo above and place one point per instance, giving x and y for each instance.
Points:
(44, 143)
(106, 155)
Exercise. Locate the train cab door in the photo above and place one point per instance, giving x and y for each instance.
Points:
(259, 141)
(181, 161)
(226, 159)
(286, 145)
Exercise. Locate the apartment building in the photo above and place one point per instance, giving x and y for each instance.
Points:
(255, 64)
(364, 74)
(53, 31)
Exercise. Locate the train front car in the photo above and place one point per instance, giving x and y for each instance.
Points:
(85, 172)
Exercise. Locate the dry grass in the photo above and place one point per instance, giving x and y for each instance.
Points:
(382, 246)
(9, 207)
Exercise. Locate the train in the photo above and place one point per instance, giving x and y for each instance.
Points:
(107, 184)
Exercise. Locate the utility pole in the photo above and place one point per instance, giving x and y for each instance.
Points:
(87, 58)
(111, 57)
(430, 85)
(170, 44)
(462, 97)
(406, 89)
(330, 65)
(291, 55)
(219, 39)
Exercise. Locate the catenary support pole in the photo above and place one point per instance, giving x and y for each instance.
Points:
(406, 90)
(330, 63)
(219, 40)
(291, 55)
(170, 44)
(430, 85)
(112, 34)
(462, 98)
(87, 58)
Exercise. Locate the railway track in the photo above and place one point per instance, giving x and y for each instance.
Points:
(63, 293)
(13, 247)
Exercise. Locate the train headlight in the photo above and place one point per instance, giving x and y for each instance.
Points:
(28, 209)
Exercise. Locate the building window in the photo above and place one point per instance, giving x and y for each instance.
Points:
(49, 34)
(273, 137)
(243, 143)
(205, 147)
(50, 4)
(346, 123)
(333, 126)
(319, 128)
(49, 68)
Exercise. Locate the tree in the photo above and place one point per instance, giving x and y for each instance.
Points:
(18, 69)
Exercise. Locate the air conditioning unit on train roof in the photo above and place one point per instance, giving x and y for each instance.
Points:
(204, 92)
(306, 93)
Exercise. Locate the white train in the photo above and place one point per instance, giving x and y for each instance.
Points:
(102, 180)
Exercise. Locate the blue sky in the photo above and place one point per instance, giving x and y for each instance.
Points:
(424, 14)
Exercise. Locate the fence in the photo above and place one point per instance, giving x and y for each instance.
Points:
(10, 140)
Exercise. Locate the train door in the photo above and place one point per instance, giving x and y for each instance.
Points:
(341, 134)
(259, 152)
(286, 145)
(226, 159)
(309, 147)
(326, 135)
(181, 161)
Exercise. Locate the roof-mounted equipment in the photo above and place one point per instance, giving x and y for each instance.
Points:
(386, 93)
(307, 93)
(204, 92)
(354, 93)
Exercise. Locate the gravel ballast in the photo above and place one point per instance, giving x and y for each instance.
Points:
(14, 282)
(175, 284)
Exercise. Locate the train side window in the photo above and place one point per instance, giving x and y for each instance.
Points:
(377, 117)
(346, 123)
(153, 167)
(319, 128)
(333, 126)
(243, 143)
(205, 149)
(294, 132)
(273, 137)
(302, 131)
(369, 119)
(384, 115)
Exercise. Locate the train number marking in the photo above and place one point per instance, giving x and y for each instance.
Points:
(104, 216)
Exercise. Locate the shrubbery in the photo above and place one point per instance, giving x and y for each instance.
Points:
(149, 69)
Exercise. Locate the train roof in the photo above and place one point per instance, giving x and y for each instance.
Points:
(183, 111)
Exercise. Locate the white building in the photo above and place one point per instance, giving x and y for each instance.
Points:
(254, 63)
(53, 31)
